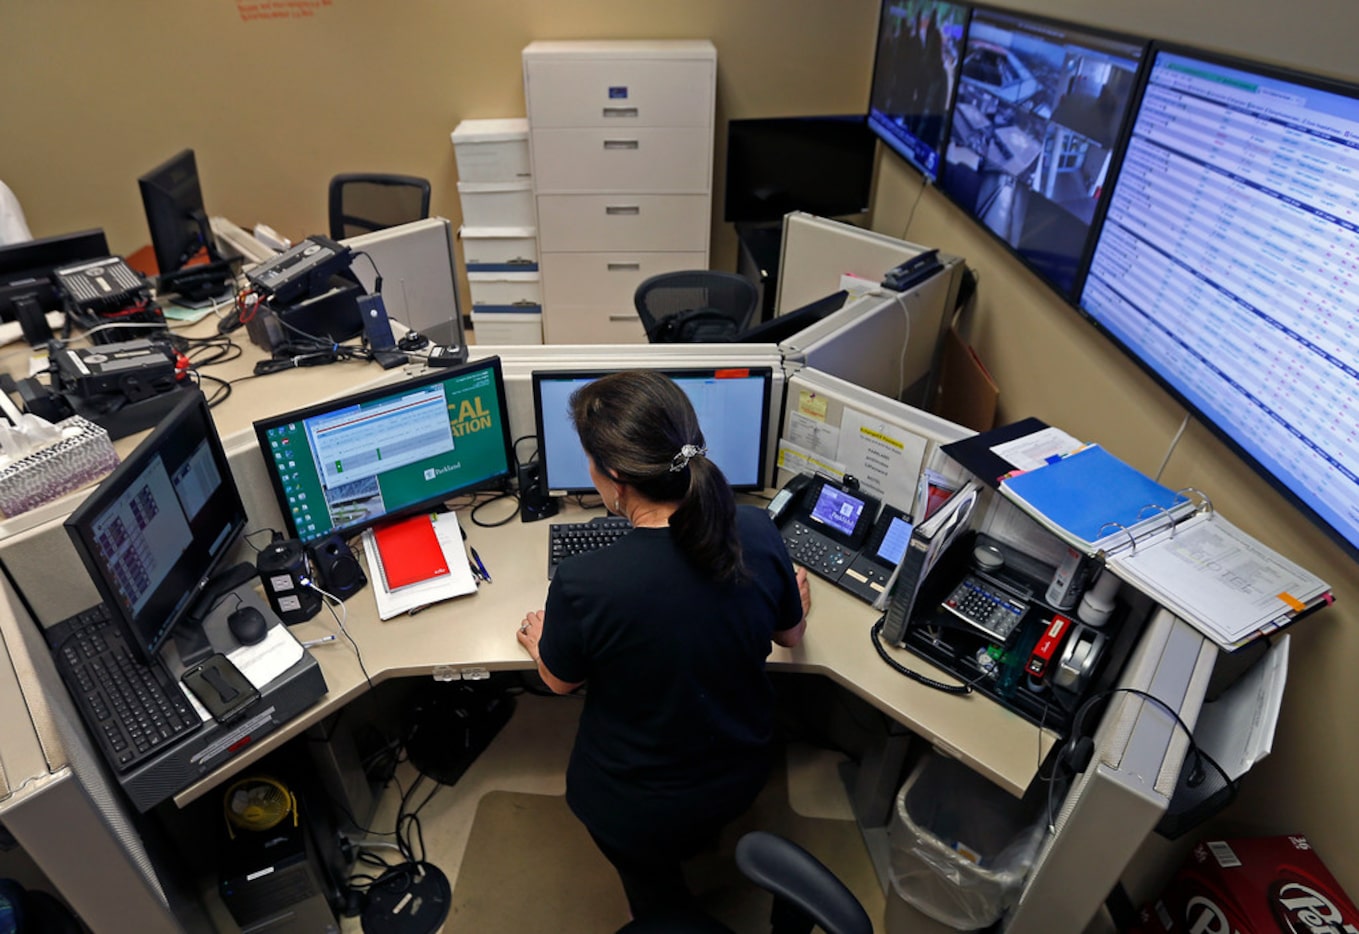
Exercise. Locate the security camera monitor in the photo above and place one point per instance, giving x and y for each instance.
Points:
(1040, 111)
(920, 45)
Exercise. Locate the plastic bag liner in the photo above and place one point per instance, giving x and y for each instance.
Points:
(961, 847)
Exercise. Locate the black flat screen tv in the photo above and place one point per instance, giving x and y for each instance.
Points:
(915, 76)
(1039, 115)
(1227, 265)
(821, 165)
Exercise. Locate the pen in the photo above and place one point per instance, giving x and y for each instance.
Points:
(311, 642)
(480, 566)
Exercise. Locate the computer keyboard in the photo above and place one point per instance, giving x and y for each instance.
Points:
(133, 709)
(575, 538)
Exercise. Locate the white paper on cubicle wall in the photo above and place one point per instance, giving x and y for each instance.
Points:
(456, 583)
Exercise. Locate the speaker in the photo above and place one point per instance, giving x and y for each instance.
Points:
(338, 571)
(534, 503)
(283, 571)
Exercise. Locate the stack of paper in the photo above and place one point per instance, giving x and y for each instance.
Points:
(417, 562)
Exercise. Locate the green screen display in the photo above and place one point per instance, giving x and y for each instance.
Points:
(348, 464)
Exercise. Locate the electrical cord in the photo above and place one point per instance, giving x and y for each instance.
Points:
(875, 634)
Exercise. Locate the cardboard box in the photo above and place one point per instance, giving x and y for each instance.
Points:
(1252, 885)
(83, 456)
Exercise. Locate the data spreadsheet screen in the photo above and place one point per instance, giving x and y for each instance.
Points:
(1228, 264)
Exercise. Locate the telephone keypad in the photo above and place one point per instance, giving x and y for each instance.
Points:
(815, 552)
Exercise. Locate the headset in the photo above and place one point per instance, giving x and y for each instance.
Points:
(1076, 753)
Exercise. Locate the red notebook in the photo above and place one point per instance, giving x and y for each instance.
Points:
(410, 551)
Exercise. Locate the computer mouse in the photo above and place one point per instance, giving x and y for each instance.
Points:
(248, 625)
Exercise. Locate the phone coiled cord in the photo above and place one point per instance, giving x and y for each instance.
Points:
(876, 635)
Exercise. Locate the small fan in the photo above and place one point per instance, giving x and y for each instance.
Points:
(257, 803)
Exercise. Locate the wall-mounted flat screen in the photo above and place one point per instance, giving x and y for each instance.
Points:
(1040, 110)
(920, 45)
(1228, 266)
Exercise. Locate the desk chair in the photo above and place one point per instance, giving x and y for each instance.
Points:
(695, 307)
(364, 202)
(806, 894)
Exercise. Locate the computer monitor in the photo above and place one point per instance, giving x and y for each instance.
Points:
(27, 291)
(915, 77)
(778, 329)
(732, 405)
(1040, 112)
(1225, 266)
(821, 165)
(157, 529)
(344, 465)
(175, 216)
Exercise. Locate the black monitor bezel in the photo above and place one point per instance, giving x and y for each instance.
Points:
(813, 128)
(263, 426)
(1319, 82)
(175, 218)
(26, 268)
(79, 525)
(891, 141)
(538, 376)
(1120, 141)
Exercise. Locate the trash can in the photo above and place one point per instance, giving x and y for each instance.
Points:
(960, 846)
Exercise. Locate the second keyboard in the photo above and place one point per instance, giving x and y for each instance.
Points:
(573, 538)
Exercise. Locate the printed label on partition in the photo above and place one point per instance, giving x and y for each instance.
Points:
(618, 93)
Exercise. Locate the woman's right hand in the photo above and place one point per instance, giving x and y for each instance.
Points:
(804, 590)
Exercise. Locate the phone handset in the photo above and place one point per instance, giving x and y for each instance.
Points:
(785, 498)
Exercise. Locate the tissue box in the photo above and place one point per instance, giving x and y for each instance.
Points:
(83, 455)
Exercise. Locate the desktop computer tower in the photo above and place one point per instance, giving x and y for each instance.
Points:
(282, 880)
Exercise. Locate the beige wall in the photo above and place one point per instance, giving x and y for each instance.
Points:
(92, 95)
(1050, 363)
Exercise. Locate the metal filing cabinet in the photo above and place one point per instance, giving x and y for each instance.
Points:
(621, 147)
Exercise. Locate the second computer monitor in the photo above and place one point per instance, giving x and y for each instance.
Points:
(344, 465)
(732, 405)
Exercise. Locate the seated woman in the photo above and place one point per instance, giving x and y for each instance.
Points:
(669, 629)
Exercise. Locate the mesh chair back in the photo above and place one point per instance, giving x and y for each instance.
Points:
(695, 306)
(363, 202)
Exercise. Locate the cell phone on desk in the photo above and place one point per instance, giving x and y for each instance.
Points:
(221, 687)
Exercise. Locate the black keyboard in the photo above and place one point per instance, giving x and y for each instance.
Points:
(575, 538)
(133, 709)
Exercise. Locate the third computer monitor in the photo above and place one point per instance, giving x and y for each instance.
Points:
(1040, 110)
(732, 405)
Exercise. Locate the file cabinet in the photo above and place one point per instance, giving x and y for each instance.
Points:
(621, 148)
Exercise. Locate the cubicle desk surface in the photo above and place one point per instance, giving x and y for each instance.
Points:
(468, 635)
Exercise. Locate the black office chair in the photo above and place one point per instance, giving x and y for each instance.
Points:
(362, 202)
(806, 893)
(695, 307)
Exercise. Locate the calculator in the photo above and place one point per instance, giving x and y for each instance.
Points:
(986, 606)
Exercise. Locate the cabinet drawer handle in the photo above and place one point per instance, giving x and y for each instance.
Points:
(620, 111)
(622, 317)
(622, 144)
(622, 209)
(624, 267)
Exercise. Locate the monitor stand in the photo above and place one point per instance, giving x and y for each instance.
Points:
(191, 639)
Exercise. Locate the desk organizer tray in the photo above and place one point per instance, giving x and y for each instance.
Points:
(83, 455)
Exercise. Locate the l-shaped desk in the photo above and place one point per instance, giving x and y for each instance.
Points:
(60, 804)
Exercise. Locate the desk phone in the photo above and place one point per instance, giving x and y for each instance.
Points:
(838, 532)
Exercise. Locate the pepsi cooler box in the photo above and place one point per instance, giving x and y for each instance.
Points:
(1253, 885)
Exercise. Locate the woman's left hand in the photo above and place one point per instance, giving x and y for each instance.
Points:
(530, 631)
